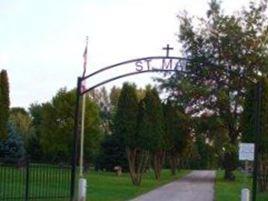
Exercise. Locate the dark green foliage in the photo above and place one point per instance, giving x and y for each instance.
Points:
(112, 149)
(151, 129)
(249, 131)
(125, 122)
(151, 122)
(56, 128)
(264, 118)
(212, 139)
(206, 153)
(248, 120)
(33, 145)
(112, 153)
(248, 123)
(126, 128)
(13, 146)
(177, 127)
(4, 104)
(177, 131)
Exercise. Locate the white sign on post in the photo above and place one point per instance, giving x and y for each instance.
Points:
(246, 151)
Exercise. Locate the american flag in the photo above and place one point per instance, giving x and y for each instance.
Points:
(85, 60)
(83, 84)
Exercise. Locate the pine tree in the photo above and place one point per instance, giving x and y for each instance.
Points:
(125, 127)
(151, 124)
(14, 145)
(4, 104)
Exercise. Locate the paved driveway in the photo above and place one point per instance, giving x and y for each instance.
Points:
(196, 186)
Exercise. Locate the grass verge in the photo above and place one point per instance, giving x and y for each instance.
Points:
(105, 186)
(231, 191)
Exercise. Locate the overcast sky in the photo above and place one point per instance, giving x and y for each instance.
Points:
(42, 42)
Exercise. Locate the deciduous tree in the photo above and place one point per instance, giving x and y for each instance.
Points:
(177, 133)
(20, 118)
(57, 127)
(225, 52)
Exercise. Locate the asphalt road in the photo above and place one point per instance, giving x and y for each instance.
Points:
(196, 186)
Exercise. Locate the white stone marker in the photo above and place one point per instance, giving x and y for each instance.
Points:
(245, 194)
(82, 189)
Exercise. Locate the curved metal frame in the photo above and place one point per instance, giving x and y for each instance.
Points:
(79, 93)
(132, 73)
(129, 74)
(131, 61)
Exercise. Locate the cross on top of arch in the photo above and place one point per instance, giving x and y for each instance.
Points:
(167, 48)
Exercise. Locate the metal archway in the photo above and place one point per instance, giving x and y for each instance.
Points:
(168, 64)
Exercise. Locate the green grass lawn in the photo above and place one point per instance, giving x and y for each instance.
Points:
(106, 186)
(231, 191)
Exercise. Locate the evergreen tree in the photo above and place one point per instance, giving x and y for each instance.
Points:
(4, 104)
(13, 147)
(112, 153)
(151, 125)
(125, 127)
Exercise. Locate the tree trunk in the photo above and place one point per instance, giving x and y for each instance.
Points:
(173, 162)
(263, 173)
(158, 161)
(138, 161)
(229, 166)
(230, 157)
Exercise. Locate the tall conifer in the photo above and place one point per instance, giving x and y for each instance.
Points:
(125, 126)
(152, 126)
(4, 104)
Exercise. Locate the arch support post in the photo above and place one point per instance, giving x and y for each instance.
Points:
(258, 97)
(75, 141)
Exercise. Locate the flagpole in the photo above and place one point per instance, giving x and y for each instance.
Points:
(82, 181)
(82, 135)
(83, 113)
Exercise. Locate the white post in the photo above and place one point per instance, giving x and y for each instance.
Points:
(245, 194)
(82, 181)
(82, 189)
(82, 135)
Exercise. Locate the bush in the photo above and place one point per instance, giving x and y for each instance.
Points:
(13, 147)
